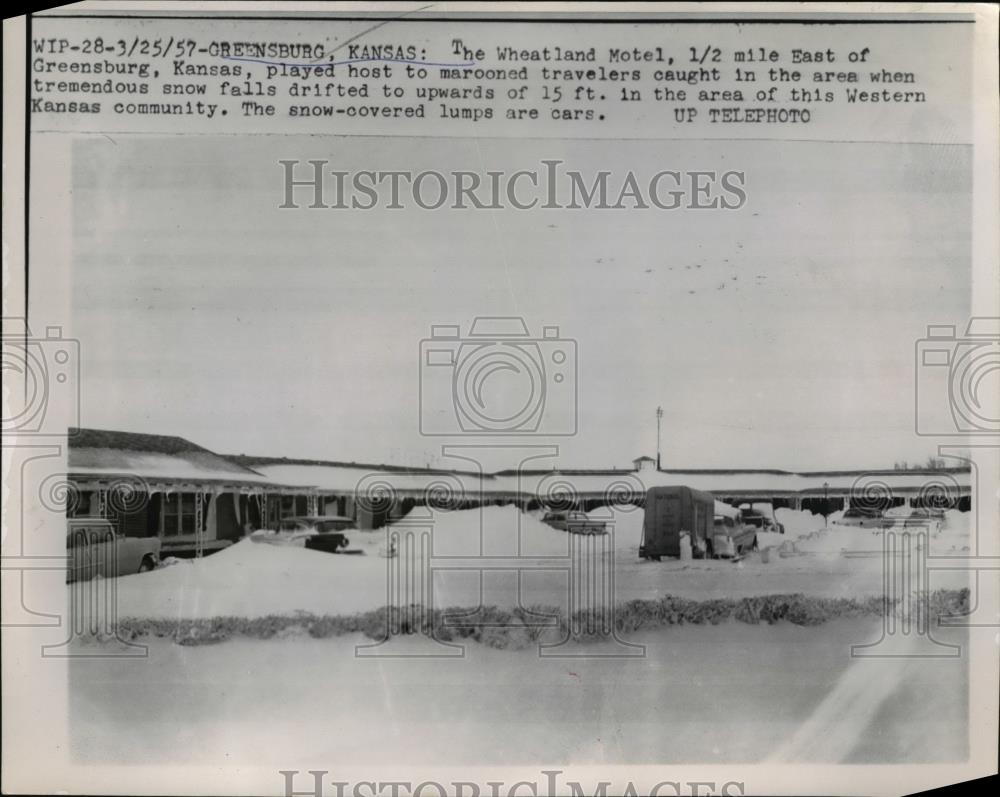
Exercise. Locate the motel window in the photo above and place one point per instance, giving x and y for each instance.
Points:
(80, 504)
(178, 514)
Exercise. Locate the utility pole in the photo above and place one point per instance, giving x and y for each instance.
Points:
(659, 417)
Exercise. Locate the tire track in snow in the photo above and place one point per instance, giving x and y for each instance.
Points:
(833, 729)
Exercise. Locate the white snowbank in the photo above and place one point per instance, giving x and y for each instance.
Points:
(725, 510)
(625, 526)
(491, 531)
(798, 521)
(950, 537)
(252, 579)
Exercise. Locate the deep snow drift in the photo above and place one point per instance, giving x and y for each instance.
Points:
(252, 579)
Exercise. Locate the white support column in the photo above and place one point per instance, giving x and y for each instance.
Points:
(199, 541)
(211, 524)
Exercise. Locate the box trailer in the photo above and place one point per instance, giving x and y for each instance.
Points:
(671, 510)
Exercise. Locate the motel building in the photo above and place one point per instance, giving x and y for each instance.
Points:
(194, 500)
(198, 502)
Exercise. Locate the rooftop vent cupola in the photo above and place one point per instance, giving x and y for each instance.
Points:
(644, 464)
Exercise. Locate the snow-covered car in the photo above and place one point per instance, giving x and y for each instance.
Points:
(864, 518)
(898, 517)
(761, 519)
(95, 548)
(574, 522)
(318, 532)
(731, 537)
(921, 518)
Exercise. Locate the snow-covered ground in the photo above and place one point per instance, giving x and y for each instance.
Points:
(729, 693)
(708, 694)
(252, 579)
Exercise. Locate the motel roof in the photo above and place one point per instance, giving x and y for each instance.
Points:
(103, 454)
(347, 478)
(106, 454)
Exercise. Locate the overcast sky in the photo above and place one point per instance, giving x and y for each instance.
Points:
(781, 335)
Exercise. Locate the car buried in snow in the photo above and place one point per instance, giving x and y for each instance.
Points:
(318, 532)
(898, 517)
(574, 522)
(919, 517)
(95, 548)
(865, 519)
(731, 537)
(315, 532)
(761, 517)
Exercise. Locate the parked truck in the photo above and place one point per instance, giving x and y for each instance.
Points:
(672, 510)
